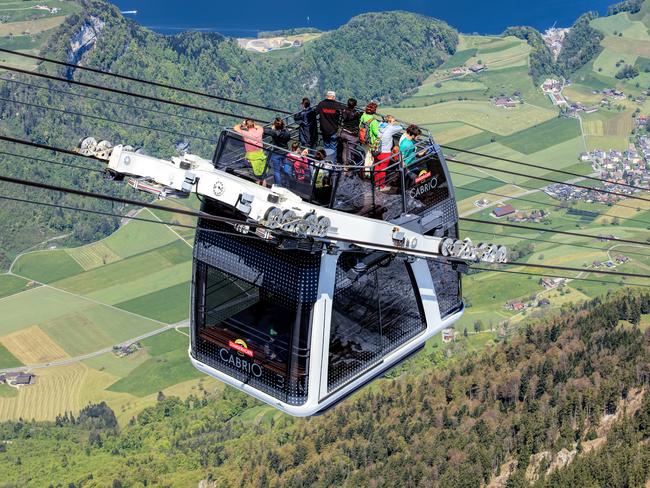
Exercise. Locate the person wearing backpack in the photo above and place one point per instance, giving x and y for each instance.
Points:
(349, 132)
(384, 152)
(280, 137)
(368, 131)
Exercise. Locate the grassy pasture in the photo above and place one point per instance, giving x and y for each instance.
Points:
(93, 255)
(621, 23)
(459, 58)
(95, 328)
(607, 61)
(168, 305)
(451, 131)
(449, 86)
(10, 285)
(628, 46)
(8, 360)
(117, 366)
(47, 266)
(542, 136)
(29, 27)
(138, 237)
(507, 54)
(135, 276)
(7, 391)
(162, 370)
(482, 115)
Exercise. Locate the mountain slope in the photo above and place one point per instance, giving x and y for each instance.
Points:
(376, 56)
(503, 410)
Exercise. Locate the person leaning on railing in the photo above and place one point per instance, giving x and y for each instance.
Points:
(349, 132)
(252, 135)
(408, 149)
(368, 131)
(387, 132)
(280, 138)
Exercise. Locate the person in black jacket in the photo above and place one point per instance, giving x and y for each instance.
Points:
(280, 139)
(308, 130)
(349, 133)
(329, 113)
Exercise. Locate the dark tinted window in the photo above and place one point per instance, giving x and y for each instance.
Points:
(252, 333)
(374, 312)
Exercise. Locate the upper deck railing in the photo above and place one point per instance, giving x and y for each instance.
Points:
(382, 191)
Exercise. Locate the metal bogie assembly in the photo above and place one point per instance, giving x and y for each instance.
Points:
(309, 288)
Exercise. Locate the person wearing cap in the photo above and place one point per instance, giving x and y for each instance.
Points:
(307, 124)
(329, 113)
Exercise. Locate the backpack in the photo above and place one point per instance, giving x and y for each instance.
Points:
(375, 146)
(364, 130)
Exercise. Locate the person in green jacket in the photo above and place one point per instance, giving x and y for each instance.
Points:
(368, 131)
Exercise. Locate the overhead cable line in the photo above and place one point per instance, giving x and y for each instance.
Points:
(555, 231)
(127, 93)
(232, 233)
(585, 246)
(538, 166)
(101, 196)
(49, 161)
(541, 178)
(466, 219)
(106, 100)
(522, 199)
(106, 119)
(526, 273)
(147, 82)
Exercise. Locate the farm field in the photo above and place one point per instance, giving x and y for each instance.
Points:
(129, 284)
(482, 115)
(10, 285)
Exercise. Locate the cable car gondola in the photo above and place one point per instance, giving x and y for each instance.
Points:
(305, 292)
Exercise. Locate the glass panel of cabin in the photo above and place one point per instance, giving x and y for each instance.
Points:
(375, 310)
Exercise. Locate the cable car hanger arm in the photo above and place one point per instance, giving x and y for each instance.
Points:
(276, 210)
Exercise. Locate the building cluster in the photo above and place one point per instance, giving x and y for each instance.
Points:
(575, 109)
(17, 379)
(52, 10)
(629, 167)
(552, 283)
(506, 102)
(532, 216)
(125, 349)
(553, 88)
(568, 193)
(503, 211)
(610, 94)
(554, 39)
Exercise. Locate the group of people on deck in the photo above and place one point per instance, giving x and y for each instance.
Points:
(343, 129)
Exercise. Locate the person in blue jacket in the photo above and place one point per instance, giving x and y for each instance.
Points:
(308, 130)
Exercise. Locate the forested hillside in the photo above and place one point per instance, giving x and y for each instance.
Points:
(374, 56)
(574, 390)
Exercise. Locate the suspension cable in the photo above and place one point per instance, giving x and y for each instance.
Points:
(106, 119)
(541, 178)
(147, 82)
(127, 93)
(537, 166)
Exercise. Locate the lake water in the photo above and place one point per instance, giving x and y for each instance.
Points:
(249, 17)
